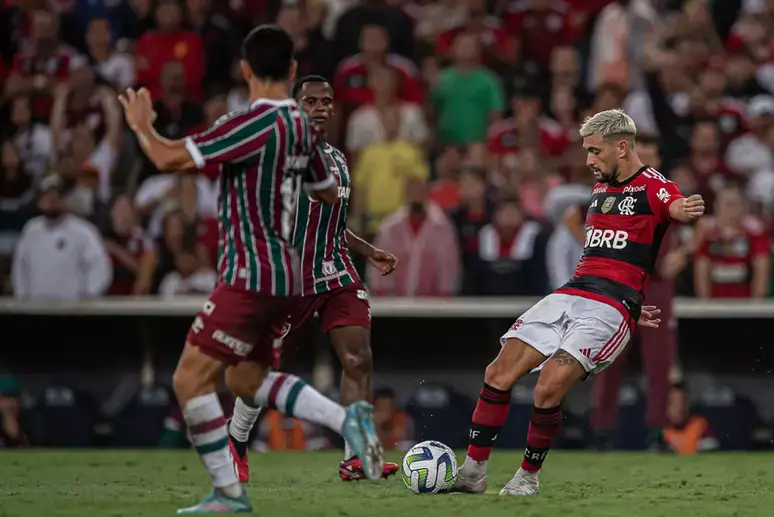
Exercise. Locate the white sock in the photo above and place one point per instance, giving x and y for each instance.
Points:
(348, 452)
(294, 397)
(207, 429)
(243, 420)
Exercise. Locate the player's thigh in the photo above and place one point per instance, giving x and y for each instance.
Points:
(234, 324)
(196, 374)
(540, 327)
(345, 315)
(596, 336)
(244, 378)
(287, 343)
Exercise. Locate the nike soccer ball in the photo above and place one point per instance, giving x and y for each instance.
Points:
(429, 467)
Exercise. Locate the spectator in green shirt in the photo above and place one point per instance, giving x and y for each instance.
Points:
(467, 96)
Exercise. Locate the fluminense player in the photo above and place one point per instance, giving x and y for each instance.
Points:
(584, 325)
(265, 153)
(330, 286)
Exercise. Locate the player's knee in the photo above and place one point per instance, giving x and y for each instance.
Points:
(548, 392)
(196, 374)
(500, 375)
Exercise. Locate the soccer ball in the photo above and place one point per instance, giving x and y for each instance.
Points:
(429, 467)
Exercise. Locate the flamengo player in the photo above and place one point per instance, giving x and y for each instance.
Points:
(330, 286)
(581, 328)
(265, 152)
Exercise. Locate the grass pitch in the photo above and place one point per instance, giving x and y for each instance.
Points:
(154, 483)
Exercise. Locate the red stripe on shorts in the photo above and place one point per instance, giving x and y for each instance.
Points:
(610, 342)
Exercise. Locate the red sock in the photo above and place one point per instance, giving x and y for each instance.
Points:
(543, 427)
(488, 418)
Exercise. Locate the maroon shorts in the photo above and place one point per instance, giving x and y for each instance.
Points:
(234, 324)
(347, 306)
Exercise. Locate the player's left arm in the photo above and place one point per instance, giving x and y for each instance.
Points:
(761, 266)
(381, 260)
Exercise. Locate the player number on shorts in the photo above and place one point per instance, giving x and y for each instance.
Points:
(289, 193)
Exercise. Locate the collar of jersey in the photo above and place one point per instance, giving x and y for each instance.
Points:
(630, 178)
(274, 102)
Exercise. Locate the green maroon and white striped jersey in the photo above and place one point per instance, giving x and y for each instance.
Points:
(321, 235)
(264, 153)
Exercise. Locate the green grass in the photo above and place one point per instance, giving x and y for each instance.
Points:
(151, 483)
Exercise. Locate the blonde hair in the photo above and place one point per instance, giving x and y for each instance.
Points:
(609, 123)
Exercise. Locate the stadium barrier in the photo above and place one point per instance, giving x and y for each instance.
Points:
(463, 307)
(420, 334)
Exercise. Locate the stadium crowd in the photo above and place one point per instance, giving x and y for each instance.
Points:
(459, 118)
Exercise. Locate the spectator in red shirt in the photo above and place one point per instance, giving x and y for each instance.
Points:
(497, 49)
(734, 257)
(38, 72)
(170, 42)
(351, 78)
(526, 123)
(540, 25)
(131, 251)
(707, 165)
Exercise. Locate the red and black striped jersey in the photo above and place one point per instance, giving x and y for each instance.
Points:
(625, 225)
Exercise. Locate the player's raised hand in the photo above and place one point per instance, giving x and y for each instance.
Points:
(138, 108)
(649, 316)
(693, 207)
(383, 261)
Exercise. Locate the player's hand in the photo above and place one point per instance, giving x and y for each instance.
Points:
(649, 316)
(383, 261)
(138, 108)
(693, 208)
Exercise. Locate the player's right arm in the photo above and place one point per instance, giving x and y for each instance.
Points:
(318, 179)
(237, 138)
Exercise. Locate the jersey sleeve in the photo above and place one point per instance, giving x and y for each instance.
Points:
(235, 139)
(662, 194)
(760, 245)
(317, 175)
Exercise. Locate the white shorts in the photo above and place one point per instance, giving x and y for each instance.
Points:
(592, 332)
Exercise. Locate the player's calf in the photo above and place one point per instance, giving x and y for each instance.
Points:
(195, 380)
(560, 373)
(514, 360)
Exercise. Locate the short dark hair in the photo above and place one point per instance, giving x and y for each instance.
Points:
(508, 199)
(384, 393)
(308, 79)
(268, 50)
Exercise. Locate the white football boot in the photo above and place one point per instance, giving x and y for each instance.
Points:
(522, 483)
(471, 477)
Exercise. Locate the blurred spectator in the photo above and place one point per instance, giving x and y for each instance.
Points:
(278, 432)
(238, 97)
(467, 97)
(527, 127)
(531, 181)
(87, 127)
(216, 34)
(11, 433)
(170, 42)
(398, 26)
(33, 139)
(59, 256)
(131, 251)
(38, 70)
(314, 54)
(394, 427)
(511, 254)
(733, 259)
(434, 18)
(540, 25)
(176, 115)
(709, 171)
(352, 83)
(752, 152)
(189, 276)
(687, 433)
(117, 68)
(214, 108)
(497, 49)
(474, 212)
(445, 190)
(380, 175)
(17, 204)
(134, 18)
(423, 239)
(366, 126)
